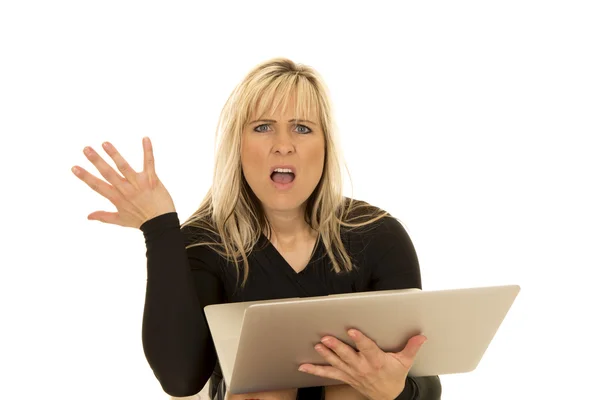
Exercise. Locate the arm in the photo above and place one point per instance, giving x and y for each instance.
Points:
(175, 336)
(397, 267)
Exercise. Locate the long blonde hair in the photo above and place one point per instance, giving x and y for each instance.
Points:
(232, 212)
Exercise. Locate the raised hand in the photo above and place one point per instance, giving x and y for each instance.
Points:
(138, 197)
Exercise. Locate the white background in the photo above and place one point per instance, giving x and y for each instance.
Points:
(475, 123)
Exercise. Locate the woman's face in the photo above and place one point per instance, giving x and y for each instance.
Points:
(276, 141)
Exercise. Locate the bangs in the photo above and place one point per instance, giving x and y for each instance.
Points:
(280, 92)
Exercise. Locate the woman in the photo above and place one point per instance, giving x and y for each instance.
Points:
(274, 224)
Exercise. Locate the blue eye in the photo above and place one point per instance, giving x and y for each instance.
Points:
(308, 130)
(255, 129)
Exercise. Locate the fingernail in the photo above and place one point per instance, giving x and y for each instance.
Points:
(302, 369)
(105, 145)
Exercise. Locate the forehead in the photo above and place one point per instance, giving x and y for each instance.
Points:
(294, 104)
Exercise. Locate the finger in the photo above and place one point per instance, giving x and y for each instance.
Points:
(412, 347)
(325, 372)
(102, 166)
(98, 185)
(367, 347)
(148, 158)
(121, 164)
(342, 350)
(332, 358)
(104, 216)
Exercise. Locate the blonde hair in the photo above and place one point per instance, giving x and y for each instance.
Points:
(232, 212)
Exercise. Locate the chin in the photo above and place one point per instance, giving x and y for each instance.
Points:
(283, 203)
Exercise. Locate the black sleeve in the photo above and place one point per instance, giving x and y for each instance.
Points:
(175, 336)
(397, 267)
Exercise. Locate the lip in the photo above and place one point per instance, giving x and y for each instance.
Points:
(283, 186)
(273, 168)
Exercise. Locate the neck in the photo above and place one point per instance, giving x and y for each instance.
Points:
(288, 227)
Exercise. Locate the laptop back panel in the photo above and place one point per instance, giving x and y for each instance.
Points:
(276, 338)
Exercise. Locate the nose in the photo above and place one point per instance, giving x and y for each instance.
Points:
(283, 143)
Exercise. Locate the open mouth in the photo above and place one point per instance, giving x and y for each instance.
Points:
(283, 177)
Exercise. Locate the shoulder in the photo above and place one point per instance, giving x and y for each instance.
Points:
(202, 244)
(365, 218)
(196, 231)
(372, 225)
(386, 252)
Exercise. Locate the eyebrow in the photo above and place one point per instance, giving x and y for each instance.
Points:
(291, 120)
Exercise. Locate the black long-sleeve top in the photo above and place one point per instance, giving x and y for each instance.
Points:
(176, 339)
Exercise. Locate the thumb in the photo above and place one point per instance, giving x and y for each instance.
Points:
(412, 347)
(104, 216)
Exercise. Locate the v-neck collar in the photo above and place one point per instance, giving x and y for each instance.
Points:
(307, 280)
(276, 257)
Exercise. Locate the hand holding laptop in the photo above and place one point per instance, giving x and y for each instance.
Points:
(371, 371)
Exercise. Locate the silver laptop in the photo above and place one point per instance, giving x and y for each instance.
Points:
(261, 344)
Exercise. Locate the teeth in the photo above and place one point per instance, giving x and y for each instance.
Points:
(282, 170)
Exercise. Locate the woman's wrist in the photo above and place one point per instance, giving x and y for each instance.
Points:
(409, 392)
